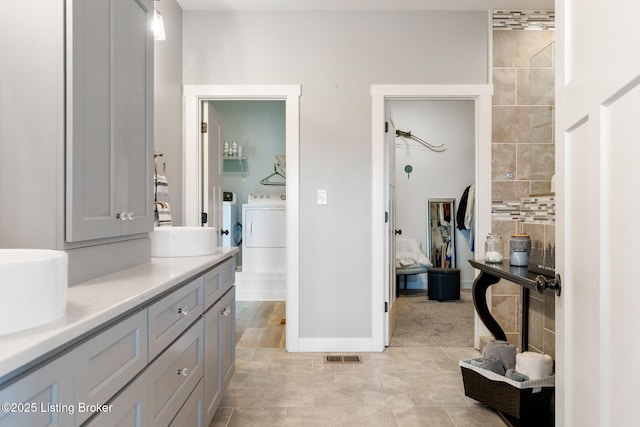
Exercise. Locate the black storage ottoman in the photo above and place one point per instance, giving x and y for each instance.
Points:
(443, 284)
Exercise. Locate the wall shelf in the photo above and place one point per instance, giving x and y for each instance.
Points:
(235, 166)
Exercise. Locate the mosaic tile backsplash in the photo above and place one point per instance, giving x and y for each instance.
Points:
(523, 20)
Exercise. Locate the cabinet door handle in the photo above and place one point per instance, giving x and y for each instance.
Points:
(226, 311)
(130, 216)
(183, 371)
(183, 311)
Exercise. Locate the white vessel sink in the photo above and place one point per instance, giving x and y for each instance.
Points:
(183, 241)
(33, 288)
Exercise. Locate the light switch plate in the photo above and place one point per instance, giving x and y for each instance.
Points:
(322, 197)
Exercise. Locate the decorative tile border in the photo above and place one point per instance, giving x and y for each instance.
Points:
(505, 210)
(524, 20)
(536, 210)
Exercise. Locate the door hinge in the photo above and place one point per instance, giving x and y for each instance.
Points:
(386, 307)
(203, 127)
(203, 217)
(386, 217)
(386, 127)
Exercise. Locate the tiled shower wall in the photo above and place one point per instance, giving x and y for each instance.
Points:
(523, 142)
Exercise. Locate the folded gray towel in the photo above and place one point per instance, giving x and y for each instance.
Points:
(493, 364)
(512, 374)
(503, 350)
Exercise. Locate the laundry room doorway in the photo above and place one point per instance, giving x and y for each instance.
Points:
(254, 215)
(258, 156)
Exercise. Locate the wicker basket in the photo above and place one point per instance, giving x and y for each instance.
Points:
(521, 400)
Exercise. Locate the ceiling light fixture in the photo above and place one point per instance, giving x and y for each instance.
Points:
(156, 24)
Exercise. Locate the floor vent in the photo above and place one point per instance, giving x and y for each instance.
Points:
(343, 359)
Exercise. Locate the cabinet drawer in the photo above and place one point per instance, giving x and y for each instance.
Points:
(42, 398)
(129, 409)
(229, 273)
(218, 280)
(174, 375)
(172, 315)
(191, 413)
(108, 361)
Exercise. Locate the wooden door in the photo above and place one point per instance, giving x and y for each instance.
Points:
(212, 184)
(390, 178)
(597, 174)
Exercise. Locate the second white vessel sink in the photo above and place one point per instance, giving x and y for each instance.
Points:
(183, 241)
(33, 288)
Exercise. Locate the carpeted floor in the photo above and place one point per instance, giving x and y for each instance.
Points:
(429, 323)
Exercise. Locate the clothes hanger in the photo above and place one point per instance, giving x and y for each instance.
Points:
(405, 134)
(267, 180)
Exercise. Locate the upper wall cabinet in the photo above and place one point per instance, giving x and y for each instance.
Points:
(109, 115)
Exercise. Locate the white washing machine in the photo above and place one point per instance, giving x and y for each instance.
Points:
(264, 233)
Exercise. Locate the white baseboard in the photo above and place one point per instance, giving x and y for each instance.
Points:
(261, 286)
(333, 345)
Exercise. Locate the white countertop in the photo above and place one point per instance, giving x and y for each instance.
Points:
(96, 302)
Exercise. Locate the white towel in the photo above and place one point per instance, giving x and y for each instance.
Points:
(408, 253)
(534, 365)
(162, 207)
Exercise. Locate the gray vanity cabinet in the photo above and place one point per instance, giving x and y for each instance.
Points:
(219, 352)
(109, 119)
(77, 131)
(42, 398)
(190, 414)
(174, 375)
(164, 364)
(130, 408)
(108, 361)
(170, 317)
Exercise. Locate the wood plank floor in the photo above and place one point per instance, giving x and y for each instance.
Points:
(260, 324)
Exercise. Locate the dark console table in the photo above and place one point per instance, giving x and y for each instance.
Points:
(491, 274)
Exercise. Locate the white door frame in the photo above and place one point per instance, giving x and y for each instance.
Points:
(481, 95)
(193, 96)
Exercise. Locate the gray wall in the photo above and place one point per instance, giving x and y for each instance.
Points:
(168, 103)
(259, 127)
(32, 125)
(335, 57)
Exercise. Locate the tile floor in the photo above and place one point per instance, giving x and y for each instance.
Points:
(402, 386)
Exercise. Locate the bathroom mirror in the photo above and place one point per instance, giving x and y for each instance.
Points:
(441, 227)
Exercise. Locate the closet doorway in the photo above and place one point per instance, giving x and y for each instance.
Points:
(383, 240)
(194, 96)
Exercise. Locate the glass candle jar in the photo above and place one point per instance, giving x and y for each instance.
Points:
(519, 248)
(493, 248)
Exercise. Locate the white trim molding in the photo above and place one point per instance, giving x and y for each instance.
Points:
(481, 95)
(193, 96)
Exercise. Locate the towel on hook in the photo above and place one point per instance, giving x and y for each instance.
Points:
(162, 208)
